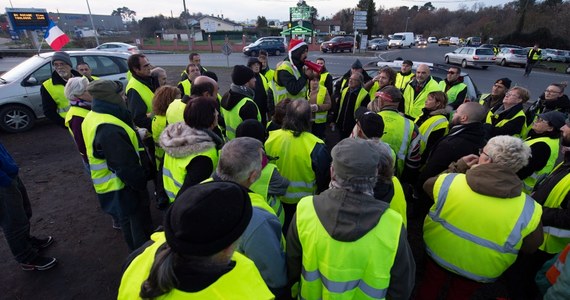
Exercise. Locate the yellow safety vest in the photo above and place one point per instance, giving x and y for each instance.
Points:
(491, 116)
(158, 125)
(72, 112)
(144, 92)
(294, 162)
(402, 81)
(320, 117)
(554, 144)
(104, 179)
(398, 202)
(232, 118)
(174, 170)
(362, 93)
(453, 91)
(482, 98)
(186, 86)
(430, 125)
(413, 105)
(535, 56)
(398, 133)
(325, 272)
(474, 235)
(261, 187)
(281, 91)
(175, 111)
(57, 94)
(555, 239)
(243, 282)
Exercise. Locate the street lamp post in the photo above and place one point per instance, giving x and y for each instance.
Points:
(407, 19)
(92, 24)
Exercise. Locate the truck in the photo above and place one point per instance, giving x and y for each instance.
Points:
(402, 39)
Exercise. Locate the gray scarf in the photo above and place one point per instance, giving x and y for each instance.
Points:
(242, 90)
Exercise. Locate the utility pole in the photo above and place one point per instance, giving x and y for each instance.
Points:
(187, 28)
(92, 25)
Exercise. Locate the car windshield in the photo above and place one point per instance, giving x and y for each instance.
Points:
(484, 51)
(398, 37)
(518, 51)
(19, 71)
(336, 39)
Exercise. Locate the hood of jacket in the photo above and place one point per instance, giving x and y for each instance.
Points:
(494, 180)
(180, 140)
(235, 94)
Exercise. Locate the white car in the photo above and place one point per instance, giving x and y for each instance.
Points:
(471, 56)
(116, 47)
(432, 39)
(20, 99)
(454, 40)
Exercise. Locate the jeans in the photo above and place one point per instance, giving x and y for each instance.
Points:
(15, 214)
(529, 66)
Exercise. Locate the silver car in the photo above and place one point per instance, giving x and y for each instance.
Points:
(471, 56)
(116, 47)
(20, 99)
(511, 56)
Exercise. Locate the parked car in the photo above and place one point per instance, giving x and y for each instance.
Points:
(509, 46)
(20, 99)
(378, 44)
(438, 72)
(454, 40)
(271, 38)
(490, 46)
(566, 56)
(273, 47)
(402, 39)
(444, 41)
(432, 39)
(553, 55)
(471, 56)
(511, 56)
(116, 47)
(422, 42)
(473, 41)
(338, 43)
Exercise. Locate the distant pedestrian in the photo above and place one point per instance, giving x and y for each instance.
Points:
(532, 57)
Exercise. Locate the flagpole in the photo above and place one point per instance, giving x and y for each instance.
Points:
(40, 47)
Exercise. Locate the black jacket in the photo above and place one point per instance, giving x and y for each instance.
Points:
(137, 106)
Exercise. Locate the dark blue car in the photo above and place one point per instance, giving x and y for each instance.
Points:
(273, 47)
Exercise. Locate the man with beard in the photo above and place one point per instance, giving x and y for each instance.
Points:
(498, 91)
(54, 103)
(292, 75)
(185, 85)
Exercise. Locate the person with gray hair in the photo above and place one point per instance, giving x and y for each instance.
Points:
(159, 74)
(262, 242)
(475, 190)
(347, 226)
(80, 104)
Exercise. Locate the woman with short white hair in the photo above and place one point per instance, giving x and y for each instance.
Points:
(80, 104)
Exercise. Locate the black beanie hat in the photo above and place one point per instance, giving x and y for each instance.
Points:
(504, 81)
(251, 128)
(241, 75)
(207, 218)
(253, 60)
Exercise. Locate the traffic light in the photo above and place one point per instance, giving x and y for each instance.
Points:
(289, 25)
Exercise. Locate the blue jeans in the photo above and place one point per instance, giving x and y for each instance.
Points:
(15, 214)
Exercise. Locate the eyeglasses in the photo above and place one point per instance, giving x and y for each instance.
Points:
(510, 94)
(481, 151)
(552, 92)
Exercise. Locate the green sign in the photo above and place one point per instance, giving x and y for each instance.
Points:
(302, 12)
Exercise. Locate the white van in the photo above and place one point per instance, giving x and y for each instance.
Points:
(402, 39)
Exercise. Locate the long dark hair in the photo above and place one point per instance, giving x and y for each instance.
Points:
(161, 279)
(298, 117)
(200, 112)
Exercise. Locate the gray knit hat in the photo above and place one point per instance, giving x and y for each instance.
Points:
(106, 90)
(61, 56)
(355, 158)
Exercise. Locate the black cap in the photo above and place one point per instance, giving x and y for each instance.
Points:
(370, 122)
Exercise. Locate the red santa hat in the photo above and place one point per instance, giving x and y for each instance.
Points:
(295, 44)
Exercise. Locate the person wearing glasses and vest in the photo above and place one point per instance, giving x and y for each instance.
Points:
(116, 157)
(346, 244)
(509, 118)
(416, 91)
(462, 254)
(320, 101)
(54, 103)
(291, 74)
(454, 87)
(352, 97)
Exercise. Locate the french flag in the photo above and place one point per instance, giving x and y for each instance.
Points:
(55, 38)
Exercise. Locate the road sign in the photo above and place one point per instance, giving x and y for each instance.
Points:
(227, 49)
(361, 27)
(360, 13)
(359, 23)
(360, 18)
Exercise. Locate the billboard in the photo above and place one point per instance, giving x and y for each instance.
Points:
(27, 18)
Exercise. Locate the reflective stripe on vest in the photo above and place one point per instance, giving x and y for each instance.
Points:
(555, 239)
(362, 93)
(450, 235)
(428, 126)
(281, 91)
(453, 91)
(491, 116)
(324, 271)
(261, 187)
(483, 98)
(294, 161)
(57, 94)
(175, 111)
(554, 144)
(398, 132)
(554, 271)
(143, 90)
(243, 281)
(174, 170)
(104, 179)
(232, 118)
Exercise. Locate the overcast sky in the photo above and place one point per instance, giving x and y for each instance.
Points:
(237, 10)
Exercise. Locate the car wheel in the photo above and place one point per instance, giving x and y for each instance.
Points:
(464, 64)
(16, 118)
(253, 53)
(277, 52)
(484, 67)
(503, 63)
(447, 59)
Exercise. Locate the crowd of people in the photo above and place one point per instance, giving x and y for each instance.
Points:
(260, 203)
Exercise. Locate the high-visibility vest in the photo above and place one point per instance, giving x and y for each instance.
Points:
(72, 112)
(491, 116)
(232, 118)
(175, 111)
(375, 87)
(555, 239)
(294, 162)
(554, 271)
(402, 81)
(186, 87)
(104, 179)
(56, 91)
(158, 125)
(243, 282)
(554, 144)
(281, 91)
(143, 90)
(398, 133)
(323, 79)
(362, 93)
(261, 187)
(174, 170)
(398, 202)
(325, 274)
(320, 117)
(475, 235)
(453, 91)
(535, 54)
(413, 105)
(430, 125)
(93, 78)
(483, 98)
